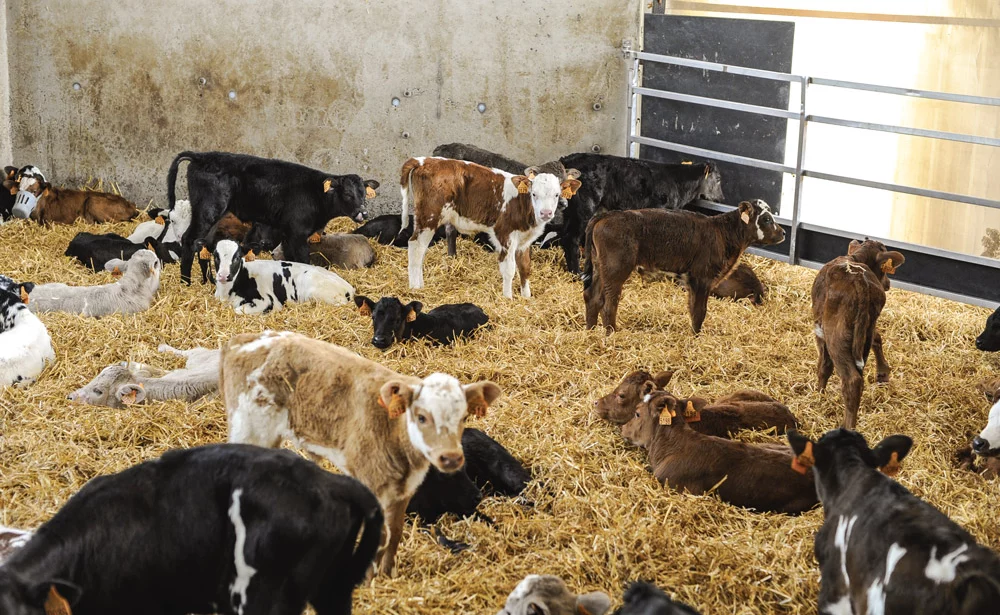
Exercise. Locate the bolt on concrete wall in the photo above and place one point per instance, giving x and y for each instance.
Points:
(116, 89)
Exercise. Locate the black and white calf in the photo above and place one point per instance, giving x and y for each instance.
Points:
(12, 539)
(989, 339)
(393, 321)
(94, 251)
(388, 230)
(259, 286)
(292, 198)
(167, 226)
(25, 345)
(987, 443)
(238, 530)
(882, 550)
(643, 598)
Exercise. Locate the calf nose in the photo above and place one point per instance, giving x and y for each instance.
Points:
(979, 342)
(380, 342)
(451, 462)
(980, 445)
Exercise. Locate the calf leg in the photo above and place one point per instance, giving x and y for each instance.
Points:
(609, 308)
(881, 364)
(853, 385)
(416, 249)
(452, 235)
(824, 366)
(593, 299)
(507, 271)
(698, 293)
(524, 270)
(296, 248)
(395, 514)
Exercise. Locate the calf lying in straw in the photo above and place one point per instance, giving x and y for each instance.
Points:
(129, 383)
(25, 345)
(548, 595)
(752, 476)
(133, 293)
(847, 298)
(340, 250)
(66, 206)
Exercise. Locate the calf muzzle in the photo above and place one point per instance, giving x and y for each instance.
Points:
(980, 445)
(451, 462)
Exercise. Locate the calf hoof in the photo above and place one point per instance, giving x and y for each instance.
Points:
(882, 377)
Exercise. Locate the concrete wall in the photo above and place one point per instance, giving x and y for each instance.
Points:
(6, 154)
(312, 81)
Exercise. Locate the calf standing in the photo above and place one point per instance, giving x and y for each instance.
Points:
(227, 529)
(394, 321)
(883, 550)
(847, 298)
(699, 250)
(511, 209)
(757, 477)
(383, 428)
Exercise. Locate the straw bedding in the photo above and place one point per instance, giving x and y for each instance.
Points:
(598, 519)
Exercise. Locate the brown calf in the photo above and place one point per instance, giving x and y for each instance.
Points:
(751, 476)
(741, 283)
(744, 409)
(699, 250)
(511, 209)
(847, 298)
(65, 206)
(384, 428)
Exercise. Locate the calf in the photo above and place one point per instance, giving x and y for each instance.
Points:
(548, 595)
(511, 209)
(394, 321)
(25, 345)
(383, 428)
(341, 250)
(615, 183)
(294, 199)
(881, 549)
(94, 251)
(167, 226)
(987, 444)
(698, 249)
(751, 476)
(238, 530)
(66, 206)
(989, 339)
(8, 193)
(388, 230)
(847, 298)
(12, 539)
(741, 283)
(260, 286)
(133, 293)
(647, 599)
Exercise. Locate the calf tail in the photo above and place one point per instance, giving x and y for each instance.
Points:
(172, 176)
(588, 250)
(406, 189)
(861, 343)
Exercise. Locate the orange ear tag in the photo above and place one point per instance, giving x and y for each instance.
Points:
(478, 407)
(396, 407)
(665, 417)
(250, 257)
(522, 188)
(745, 217)
(315, 238)
(370, 192)
(567, 193)
(160, 220)
(204, 254)
(691, 414)
(326, 185)
(411, 316)
(56, 604)
(24, 296)
(803, 462)
(887, 266)
(364, 310)
(891, 469)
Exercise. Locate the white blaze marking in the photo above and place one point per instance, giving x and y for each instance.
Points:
(244, 572)
(416, 437)
(944, 570)
(841, 541)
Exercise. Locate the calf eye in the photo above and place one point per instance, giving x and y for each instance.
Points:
(421, 419)
(98, 392)
(636, 414)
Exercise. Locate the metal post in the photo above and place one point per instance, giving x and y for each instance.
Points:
(800, 157)
(631, 149)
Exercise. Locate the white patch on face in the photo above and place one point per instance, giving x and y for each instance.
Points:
(226, 251)
(841, 540)
(416, 437)
(244, 572)
(992, 432)
(442, 397)
(545, 190)
(818, 330)
(840, 607)
(945, 569)
(524, 587)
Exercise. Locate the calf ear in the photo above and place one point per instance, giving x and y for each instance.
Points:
(395, 396)
(479, 396)
(991, 389)
(537, 608)
(412, 309)
(364, 304)
(130, 394)
(56, 596)
(647, 387)
(594, 603)
(522, 183)
(708, 169)
(370, 187)
(888, 262)
(890, 452)
(569, 188)
(662, 379)
(802, 447)
(571, 174)
(746, 210)
(853, 247)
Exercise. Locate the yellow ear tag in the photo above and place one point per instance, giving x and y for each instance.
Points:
(160, 220)
(397, 406)
(887, 266)
(691, 414)
(522, 188)
(250, 257)
(567, 193)
(326, 185)
(370, 192)
(478, 407)
(411, 316)
(802, 463)
(149, 247)
(115, 271)
(665, 417)
(56, 604)
(204, 254)
(129, 398)
(24, 296)
(745, 217)
(314, 238)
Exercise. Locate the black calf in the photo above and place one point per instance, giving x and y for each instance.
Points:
(616, 183)
(643, 598)
(217, 529)
(388, 230)
(294, 199)
(989, 339)
(394, 321)
(93, 251)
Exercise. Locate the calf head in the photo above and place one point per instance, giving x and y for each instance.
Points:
(545, 190)
(839, 451)
(876, 257)
(643, 598)
(12, 294)
(19, 596)
(658, 409)
(759, 223)
(710, 188)
(619, 405)
(989, 339)
(346, 195)
(144, 266)
(987, 443)
(548, 595)
(390, 318)
(435, 411)
(116, 386)
(30, 179)
(228, 260)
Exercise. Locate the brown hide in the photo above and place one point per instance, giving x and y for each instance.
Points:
(758, 477)
(619, 405)
(341, 250)
(701, 250)
(847, 297)
(741, 283)
(65, 206)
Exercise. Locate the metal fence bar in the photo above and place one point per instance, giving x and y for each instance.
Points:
(800, 158)
(707, 153)
(633, 107)
(715, 102)
(904, 130)
(887, 89)
(934, 194)
(722, 68)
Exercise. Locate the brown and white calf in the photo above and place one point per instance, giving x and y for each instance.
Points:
(383, 428)
(744, 409)
(511, 209)
(847, 298)
(698, 250)
(752, 476)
